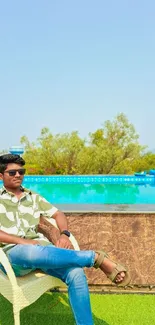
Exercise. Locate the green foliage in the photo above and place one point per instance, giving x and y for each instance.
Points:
(112, 149)
(145, 163)
(115, 146)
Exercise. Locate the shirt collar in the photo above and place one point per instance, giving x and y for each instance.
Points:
(3, 190)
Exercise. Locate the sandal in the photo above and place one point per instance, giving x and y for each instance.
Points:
(117, 269)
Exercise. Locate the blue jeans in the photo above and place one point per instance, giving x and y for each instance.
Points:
(64, 264)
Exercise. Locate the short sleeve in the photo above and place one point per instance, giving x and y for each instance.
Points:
(45, 208)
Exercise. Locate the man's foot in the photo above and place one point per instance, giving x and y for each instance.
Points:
(116, 272)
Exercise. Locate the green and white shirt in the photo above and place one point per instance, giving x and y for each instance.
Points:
(21, 217)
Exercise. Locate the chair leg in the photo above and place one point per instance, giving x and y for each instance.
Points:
(17, 318)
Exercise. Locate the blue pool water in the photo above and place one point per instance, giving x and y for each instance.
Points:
(95, 193)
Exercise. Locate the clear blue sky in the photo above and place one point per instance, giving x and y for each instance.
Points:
(71, 65)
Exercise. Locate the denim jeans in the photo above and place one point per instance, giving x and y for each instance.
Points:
(64, 264)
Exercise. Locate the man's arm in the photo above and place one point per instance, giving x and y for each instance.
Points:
(61, 220)
(11, 239)
(62, 224)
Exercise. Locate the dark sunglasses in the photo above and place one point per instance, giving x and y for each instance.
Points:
(12, 172)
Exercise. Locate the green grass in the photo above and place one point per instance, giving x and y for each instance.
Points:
(108, 309)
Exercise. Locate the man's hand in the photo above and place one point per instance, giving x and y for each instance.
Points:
(64, 242)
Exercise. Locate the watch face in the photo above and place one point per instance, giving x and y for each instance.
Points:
(66, 232)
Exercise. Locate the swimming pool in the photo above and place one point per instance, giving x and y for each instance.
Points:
(95, 193)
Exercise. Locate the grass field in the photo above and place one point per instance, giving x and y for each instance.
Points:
(108, 309)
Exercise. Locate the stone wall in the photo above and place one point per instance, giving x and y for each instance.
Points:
(127, 237)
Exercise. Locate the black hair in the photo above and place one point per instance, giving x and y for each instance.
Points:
(10, 159)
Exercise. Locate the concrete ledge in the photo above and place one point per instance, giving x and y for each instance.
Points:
(107, 208)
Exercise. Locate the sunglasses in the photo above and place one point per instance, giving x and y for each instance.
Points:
(13, 172)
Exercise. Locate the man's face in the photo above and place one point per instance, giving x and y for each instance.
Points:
(13, 176)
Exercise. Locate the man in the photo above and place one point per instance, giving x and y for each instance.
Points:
(27, 250)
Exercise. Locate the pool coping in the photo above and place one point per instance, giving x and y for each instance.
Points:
(107, 208)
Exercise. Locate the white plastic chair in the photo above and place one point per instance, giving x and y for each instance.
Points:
(23, 291)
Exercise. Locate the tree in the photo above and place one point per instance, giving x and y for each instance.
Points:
(144, 163)
(116, 146)
(112, 149)
(31, 156)
(53, 154)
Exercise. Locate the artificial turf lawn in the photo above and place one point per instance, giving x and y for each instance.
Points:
(108, 309)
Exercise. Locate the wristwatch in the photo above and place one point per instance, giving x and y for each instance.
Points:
(65, 232)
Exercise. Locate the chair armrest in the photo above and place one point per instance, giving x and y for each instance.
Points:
(72, 238)
(8, 268)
